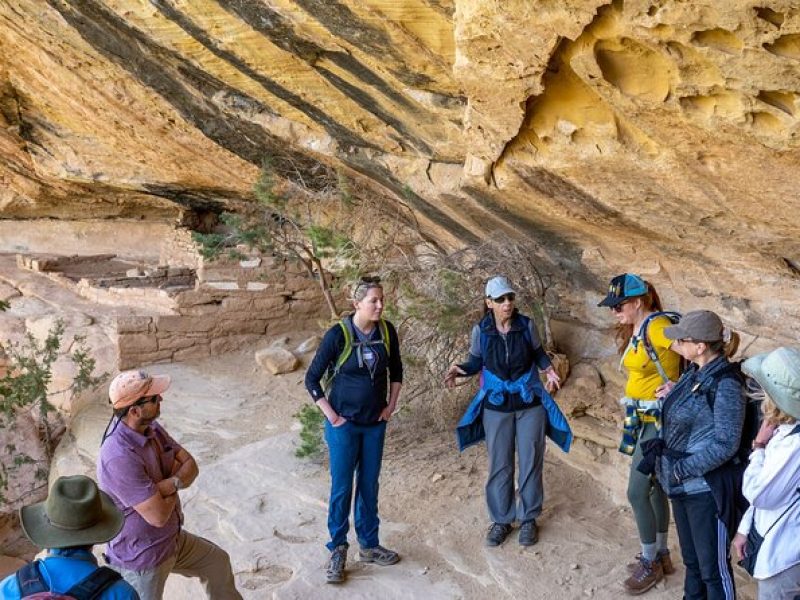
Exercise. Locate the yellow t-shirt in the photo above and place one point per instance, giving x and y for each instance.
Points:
(643, 377)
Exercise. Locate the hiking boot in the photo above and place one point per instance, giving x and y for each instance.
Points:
(378, 555)
(497, 534)
(334, 572)
(646, 575)
(666, 562)
(663, 556)
(528, 533)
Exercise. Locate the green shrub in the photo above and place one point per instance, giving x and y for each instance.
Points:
(311, 427)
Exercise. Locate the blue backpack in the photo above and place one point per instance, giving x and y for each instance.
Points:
(32, 585)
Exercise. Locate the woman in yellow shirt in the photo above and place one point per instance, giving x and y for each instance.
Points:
(634, 302)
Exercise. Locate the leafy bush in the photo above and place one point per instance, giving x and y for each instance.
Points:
(311, 429)
(24, 387)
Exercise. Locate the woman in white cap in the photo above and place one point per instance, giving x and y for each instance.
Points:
(512, 409)
(649, 362)
(772, 479)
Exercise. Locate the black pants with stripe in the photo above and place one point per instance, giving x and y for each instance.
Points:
(705, 548)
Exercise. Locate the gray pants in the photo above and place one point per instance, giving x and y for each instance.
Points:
(195, 557)
(783, 586)
(523, 429)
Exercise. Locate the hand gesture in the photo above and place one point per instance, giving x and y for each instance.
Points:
(450, 377)
(338, 421)
(664, 389)
(765, 432)
(553, 380)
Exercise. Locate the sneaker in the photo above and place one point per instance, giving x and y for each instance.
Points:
(528, 533)
(378, 555)
(646, 575)
(663, 556)
(497, 534)
(335, 570)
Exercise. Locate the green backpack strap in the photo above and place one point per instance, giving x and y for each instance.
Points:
(348, 346)
(347, 349)
(384, 329)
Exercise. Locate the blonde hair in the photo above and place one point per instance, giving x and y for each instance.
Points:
(360, 288)
(772, 414)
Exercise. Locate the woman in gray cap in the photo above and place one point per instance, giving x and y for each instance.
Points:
(701, 424)
(772, 479)
(511, 410)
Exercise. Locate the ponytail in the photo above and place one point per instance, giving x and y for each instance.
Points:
(728, 345)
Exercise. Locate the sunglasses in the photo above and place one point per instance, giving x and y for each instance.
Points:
(618, 307)
(147, 400)
(505, 298)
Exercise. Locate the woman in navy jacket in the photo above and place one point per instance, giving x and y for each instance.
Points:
(356, 409)
(506, 348)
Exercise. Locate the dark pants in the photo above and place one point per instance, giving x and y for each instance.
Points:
(705, 548)
(354, 450)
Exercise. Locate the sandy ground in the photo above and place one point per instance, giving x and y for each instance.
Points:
(268, 508)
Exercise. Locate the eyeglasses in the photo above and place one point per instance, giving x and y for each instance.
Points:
(504, 298)
(147, 400)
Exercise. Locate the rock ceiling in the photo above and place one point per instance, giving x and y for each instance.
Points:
(659, 136)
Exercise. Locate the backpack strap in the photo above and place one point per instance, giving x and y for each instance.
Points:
(346, 325)
(348, 345)
(648, 346)
(731, 372)
(384, 330)
(91, 587)
(30, 580)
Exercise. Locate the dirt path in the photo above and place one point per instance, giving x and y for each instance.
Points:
(268, 508)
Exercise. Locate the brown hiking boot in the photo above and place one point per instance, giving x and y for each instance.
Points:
(663, 556)
(666, 562)
(646, 575)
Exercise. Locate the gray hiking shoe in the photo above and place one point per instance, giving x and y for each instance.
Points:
(334, 572)
(528, 533)
(497, 534)
(378, 555)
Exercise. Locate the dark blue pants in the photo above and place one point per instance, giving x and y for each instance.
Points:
(354, 450)
(705, 548)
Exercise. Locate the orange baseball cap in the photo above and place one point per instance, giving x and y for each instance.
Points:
(129, 386)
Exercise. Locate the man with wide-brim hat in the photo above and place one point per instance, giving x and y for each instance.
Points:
(142, 468)
(75, 516)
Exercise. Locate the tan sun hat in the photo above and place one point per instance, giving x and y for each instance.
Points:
(76, 513)
(130, 386)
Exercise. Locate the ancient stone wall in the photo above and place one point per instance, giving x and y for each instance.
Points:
(234, 303)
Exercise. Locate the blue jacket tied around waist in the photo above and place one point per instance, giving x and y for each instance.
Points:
(469, 430)
(520, 379)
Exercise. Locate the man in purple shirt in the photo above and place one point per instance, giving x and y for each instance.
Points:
(142, 468)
